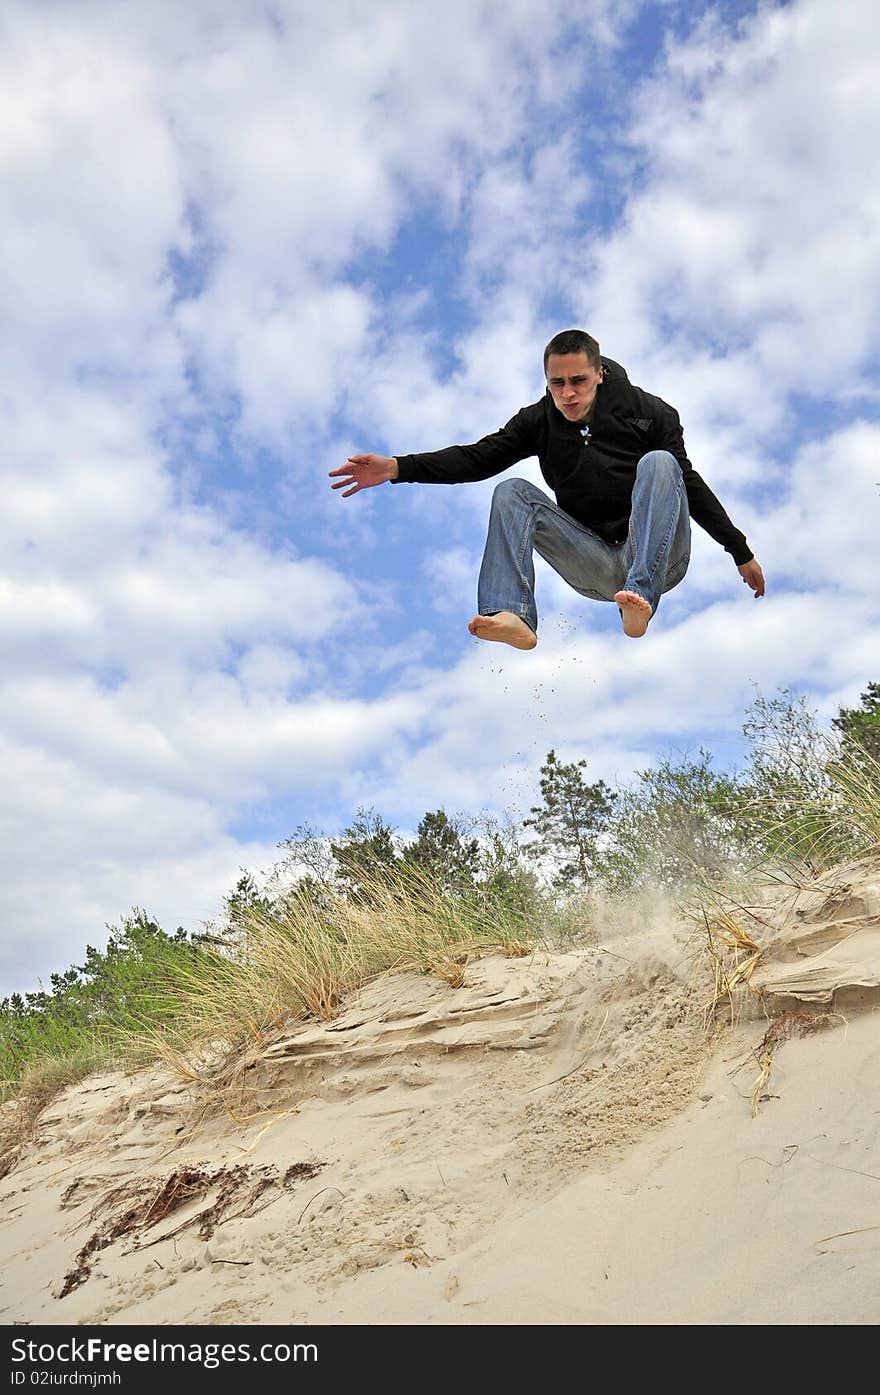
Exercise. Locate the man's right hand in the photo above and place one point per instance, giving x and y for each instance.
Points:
(363, 471)
(753, 576)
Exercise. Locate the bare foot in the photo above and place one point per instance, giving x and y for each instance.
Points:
(506, 627)
(635, 612)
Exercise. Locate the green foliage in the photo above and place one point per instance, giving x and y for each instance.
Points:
(860, 726)
(679, 824)
(787, 797)
(570, 822)
(364, 848)
(131, 981)
(477, 861)
(789, 754)
(307, 856)
(442, 849)
(505, 883)
(244, 899)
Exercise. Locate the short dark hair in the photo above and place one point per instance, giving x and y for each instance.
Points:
(574, 341)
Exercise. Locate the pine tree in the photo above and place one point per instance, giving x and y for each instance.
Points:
(570, 821)
(441, 849)
(362, 851)
(860, 726)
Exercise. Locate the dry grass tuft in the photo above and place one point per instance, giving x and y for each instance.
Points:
(733, 953)
(450, 968)
(516, 949)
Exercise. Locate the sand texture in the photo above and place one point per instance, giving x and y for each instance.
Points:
(567, 1138)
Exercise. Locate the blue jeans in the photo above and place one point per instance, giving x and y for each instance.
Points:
(653, 559)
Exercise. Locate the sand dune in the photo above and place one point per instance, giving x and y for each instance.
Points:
(560, 1140)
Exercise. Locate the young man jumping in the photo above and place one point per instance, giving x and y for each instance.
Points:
(625, 492)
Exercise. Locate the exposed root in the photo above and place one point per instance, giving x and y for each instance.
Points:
(184, 1185)
(783, 1028)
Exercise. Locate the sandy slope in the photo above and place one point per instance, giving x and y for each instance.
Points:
(556, 1141)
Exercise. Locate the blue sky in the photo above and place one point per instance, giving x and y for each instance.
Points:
(238, 243)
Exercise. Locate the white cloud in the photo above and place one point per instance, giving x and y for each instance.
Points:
(452, 576)
(825, 533)
(81, 850)
(93, 198)
(757, 225)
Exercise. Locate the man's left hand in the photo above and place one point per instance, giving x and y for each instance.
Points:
(753, 576)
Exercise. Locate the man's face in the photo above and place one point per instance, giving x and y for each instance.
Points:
(572, 381)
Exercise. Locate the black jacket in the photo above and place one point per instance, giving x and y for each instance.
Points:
(593, 480)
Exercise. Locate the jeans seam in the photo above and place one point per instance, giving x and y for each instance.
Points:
(667, 541)
(524, 590)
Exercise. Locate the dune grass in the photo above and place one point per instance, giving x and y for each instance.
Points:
(818, 830)
(201, 1006)
(304, 955)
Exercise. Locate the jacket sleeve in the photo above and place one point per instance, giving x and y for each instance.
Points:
(489, 456)
(704, 508)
